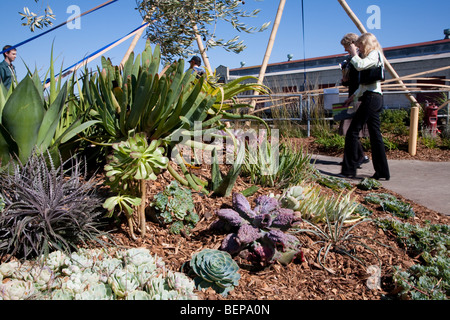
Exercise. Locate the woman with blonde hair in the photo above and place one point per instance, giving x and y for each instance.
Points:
(371, 97)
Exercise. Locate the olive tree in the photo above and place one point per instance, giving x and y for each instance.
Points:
(175, 24)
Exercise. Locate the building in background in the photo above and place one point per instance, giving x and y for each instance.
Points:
(295, 76)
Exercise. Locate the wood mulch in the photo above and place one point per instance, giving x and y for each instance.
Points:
(301, 280)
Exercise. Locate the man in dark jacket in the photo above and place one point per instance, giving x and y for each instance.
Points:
(7, 70)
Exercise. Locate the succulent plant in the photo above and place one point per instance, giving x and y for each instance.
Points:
(122, 283)
(258, 234)
(16, 290)
(48, 207)
(215, 269)
(132, 162)
(390, 203)
(138, 295)
(369, 184)
(98, 291)
(174, 207)
(112, 274)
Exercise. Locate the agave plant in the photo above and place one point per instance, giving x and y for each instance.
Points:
(42, 123)
(215, 269)
(281, 165)
(312, 205)
(258, 234)
(133, 160)
(338, 237)
(47, 207)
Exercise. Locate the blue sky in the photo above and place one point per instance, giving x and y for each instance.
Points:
(401, 22)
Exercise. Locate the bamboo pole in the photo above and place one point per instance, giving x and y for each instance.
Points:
(202, 50)
(136, 38)
(269, 48)
(85, 62)
(414, 124)
(273, 35)
(420, 74)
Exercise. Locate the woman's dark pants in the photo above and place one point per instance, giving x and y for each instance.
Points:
(368, 112)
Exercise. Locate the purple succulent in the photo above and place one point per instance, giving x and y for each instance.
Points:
(257, 235)
(266, 204)
(286, 241)
(263, 253)
(263, 220)
(242, 206)
(247, 234)
(231, 244)
(231, 217)
(284, 219)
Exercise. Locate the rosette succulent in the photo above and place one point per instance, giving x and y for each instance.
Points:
(174, 207)
(215, 269)
(258, 234)
(16, 290)
(96, 274)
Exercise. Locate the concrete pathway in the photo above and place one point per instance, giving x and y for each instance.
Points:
(426, 183)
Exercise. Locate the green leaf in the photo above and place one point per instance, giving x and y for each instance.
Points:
(22, 116)
(51, 120)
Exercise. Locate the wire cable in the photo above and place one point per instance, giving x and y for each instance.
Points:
(59, 25)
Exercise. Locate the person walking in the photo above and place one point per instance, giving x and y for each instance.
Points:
(195, 64)
(7, 69)
(371, 97)
(350, 79)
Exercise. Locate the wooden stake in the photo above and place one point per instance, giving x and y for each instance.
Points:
(273, 35)
(141, 210)
(414, 124)
(136, 38)
(202, 50)
(85, 62)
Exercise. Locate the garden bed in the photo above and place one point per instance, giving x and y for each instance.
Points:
(300, 280)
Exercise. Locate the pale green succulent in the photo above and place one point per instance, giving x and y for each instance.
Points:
(7, 269)
(138, 256)
(215, 269)
(109, 266)
(82, 258)
(16, 290)
(179, 282)
(98, 291)
(138, 295)
(73, 284)
(145, 272)
(156, 286)
(55, 260)
(122, 283)
(42, 277)
(113, 274)
(291, 197)
(62, 294)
